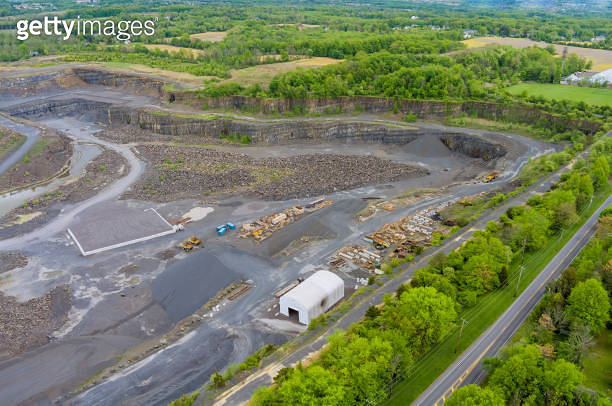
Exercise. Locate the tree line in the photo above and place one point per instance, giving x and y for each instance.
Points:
(359, 366)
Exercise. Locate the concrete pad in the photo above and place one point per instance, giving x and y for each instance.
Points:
(113, 227)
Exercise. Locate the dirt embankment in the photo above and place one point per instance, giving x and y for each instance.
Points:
(29, 324)
(9, 141)
(48, 156)
(177, 172)
(98, 174)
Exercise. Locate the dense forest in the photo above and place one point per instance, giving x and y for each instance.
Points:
(361, 365)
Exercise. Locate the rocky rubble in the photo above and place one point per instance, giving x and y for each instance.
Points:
(12, 260)
(190, 172)
(29, 324)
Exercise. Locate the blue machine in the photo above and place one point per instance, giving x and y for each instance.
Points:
(221, 230)
(231, 226)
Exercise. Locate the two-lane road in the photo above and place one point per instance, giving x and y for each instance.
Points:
(467, 368)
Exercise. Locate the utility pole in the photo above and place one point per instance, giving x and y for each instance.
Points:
(522, 266)
(463, 321)
(519, 281)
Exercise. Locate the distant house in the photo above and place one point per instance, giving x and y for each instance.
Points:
(469, 33)
(593, 77)
(603, 77)
(576, 77)
(598, 38)
(414, 17)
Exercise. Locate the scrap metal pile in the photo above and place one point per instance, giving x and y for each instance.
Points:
(266, 226)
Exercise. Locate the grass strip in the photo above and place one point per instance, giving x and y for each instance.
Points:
(482, 315)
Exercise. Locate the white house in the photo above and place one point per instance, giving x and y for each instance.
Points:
(313, 297)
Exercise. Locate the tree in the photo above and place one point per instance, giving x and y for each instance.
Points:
(311, 386)
(430, 312)
(361, 365)
(600, 169)
(560, 381)
(578, 344)
(473, 395)
(529, 228)
(589, 304)
(519, 376)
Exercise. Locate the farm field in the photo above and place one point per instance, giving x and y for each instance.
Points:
(602, 97)
(174, 49)
(601, 58)
(263, 74)
(212, 36)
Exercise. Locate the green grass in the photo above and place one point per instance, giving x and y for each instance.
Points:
(598, 365)
(491, 125)
(460, 211)
(481, 316)
(602, 97)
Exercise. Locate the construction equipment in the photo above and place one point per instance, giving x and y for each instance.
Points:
(491, 177)
(194, 240)
(186, 246)
(378, 243)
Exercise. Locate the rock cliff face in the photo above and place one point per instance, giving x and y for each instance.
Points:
(472, 146)
(264, 133)
(41, 83)
(62, 107)
(136, 84)
(259, 132)
(422, 108)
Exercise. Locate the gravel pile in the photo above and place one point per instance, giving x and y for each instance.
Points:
(12, 260)
(29, 324)
(177, 172)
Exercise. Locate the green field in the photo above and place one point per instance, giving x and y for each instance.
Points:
(488, 309)
(602, 97)
(598, 365)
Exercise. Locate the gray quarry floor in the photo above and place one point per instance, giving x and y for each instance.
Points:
(132, 294)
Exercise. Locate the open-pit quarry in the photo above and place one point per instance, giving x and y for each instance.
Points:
(129, 166)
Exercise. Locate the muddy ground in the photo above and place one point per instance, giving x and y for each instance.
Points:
(47, 157)
(182, 172)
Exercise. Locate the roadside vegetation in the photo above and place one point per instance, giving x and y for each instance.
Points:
(565, 340)
(477, 281)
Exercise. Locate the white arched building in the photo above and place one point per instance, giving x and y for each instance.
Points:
(313, 297)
